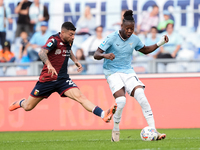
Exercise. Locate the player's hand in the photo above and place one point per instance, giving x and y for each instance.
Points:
(78, 64)
(166, 38)
(110, 56)
(51, 70)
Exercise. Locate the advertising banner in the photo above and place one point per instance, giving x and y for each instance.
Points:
(174, 101)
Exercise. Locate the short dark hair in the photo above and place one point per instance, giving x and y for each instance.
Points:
(68, 26)
(155, 6)
(170, 24)
(98, 27)
(154, 27)
(128, 16)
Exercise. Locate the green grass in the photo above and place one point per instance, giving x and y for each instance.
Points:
(98, 140)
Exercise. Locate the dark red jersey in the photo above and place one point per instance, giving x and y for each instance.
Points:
(59, 53)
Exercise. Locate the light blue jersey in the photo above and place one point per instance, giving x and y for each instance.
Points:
(123, 50)
(40, 39)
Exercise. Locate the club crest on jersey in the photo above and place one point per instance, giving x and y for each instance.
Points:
(103, 43)
(131, 44)
(36, 92)
(57, 52)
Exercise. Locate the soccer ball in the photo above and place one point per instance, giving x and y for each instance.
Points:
(149, 134)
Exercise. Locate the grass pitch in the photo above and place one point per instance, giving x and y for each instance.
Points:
(176, 139)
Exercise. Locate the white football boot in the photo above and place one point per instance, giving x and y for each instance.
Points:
(115, 136)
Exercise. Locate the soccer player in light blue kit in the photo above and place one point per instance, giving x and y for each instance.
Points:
(117, 51)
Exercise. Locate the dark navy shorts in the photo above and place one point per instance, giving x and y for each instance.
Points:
(45, 89)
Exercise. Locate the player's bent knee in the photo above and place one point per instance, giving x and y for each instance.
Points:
(121, 101)
(141, 98)
(145, 103)
(28, 107)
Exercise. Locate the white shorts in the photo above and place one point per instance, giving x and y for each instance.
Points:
(119, 80)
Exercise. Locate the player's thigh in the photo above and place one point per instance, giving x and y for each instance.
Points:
(115, 83)
(31, 102)
(75, 94)
(120, 93)
(131, 81)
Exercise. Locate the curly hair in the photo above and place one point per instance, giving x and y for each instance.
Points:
(128, 16)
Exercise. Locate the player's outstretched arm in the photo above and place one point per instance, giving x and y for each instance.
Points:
(73, 58)
(151, 48)
(99, 55)
(43, 56)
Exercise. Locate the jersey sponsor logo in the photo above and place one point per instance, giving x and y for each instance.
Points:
(103, 43)
(49, 44)
(57, 52)
(66, 53)
(36, 92)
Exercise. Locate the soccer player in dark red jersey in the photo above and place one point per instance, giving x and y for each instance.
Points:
(54, 78)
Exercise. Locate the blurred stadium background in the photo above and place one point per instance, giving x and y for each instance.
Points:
(184, 13)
